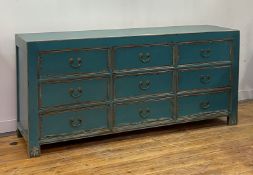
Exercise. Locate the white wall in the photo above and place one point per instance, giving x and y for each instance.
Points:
(23, 16)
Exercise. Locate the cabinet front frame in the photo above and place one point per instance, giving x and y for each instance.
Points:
(175, 68)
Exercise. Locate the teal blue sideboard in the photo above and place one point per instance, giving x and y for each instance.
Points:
(73, 85)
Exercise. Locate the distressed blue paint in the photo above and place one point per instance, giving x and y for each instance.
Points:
(129, 57)
(130, 113)
(68, 122)
(129, 86)
(40, 70)
(22, 96)
(204, 78)
(190, 53)
(56, 94)
(115, 33)
(58, 63)
(33, 108)
(190, 105)
(233, 118)
(131, 40)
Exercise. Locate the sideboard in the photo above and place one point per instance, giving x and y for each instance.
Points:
(73, 85)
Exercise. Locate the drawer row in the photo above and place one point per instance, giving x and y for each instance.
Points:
(135, 113)
(81, 61)
(71, 92)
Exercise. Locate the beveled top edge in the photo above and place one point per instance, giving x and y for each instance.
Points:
(111, 33)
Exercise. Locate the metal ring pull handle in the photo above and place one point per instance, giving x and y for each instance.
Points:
(144, 85)
(206, 53)
(205, 79)
(145, 58)
(75, 122)
(75, 64)
(75, 93)
(205, 105)
(144, 113)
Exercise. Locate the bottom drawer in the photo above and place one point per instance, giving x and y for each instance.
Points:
(195, 104)
(69, 122)
(139, 112)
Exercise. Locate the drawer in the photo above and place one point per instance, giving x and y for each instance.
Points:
(204, 78)
(72, 92)
(73, 62)
(70, 122)
(138, 85)
(134, 113)
(143, 56)
(203, 53)
(195, 104)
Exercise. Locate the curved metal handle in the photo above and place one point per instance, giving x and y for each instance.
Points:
(145, 58)
(75, 122)
(144, 85)
(75, 93)
(205, 105)
(205, 79)
(75, 64)
(144, 113)
(205, 53)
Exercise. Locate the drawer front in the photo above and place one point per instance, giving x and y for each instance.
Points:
(73, 62)
(70, 122)
(196, 104)
(55, 94)
(141, 57)
(138, 85)
(204, 78)
(135, 113)
(202, 53)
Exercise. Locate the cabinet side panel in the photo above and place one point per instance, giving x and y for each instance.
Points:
(22, 91)
(33, 110)
(233, 118)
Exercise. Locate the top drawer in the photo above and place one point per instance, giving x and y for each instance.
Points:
(142, 56)
(204, 52)
(73, 62)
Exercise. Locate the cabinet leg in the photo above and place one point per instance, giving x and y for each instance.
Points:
(34, 151)
(232, 120)
(18, 133)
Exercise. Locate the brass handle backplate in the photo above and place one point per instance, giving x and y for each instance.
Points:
(75, 122)
(75, 63)
(75, 93)
(205, 79)
(144, 85)
(145, 57)
(205, 53)
(144, 113)
(205, 105)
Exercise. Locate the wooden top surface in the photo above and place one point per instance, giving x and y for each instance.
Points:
(90, 34)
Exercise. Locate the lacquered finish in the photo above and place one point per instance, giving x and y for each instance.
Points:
(82, 84)
(74, 121)
(77, 91)
(73, 62)
(204, 78)
(143, 56)
(202, 103)
(134, 113)
(138, 85)
(204, 52)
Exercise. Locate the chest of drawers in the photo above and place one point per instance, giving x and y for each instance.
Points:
(73, 85)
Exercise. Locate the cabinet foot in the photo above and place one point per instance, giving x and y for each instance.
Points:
(18, 133)
(34, 152)
(231, 121)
